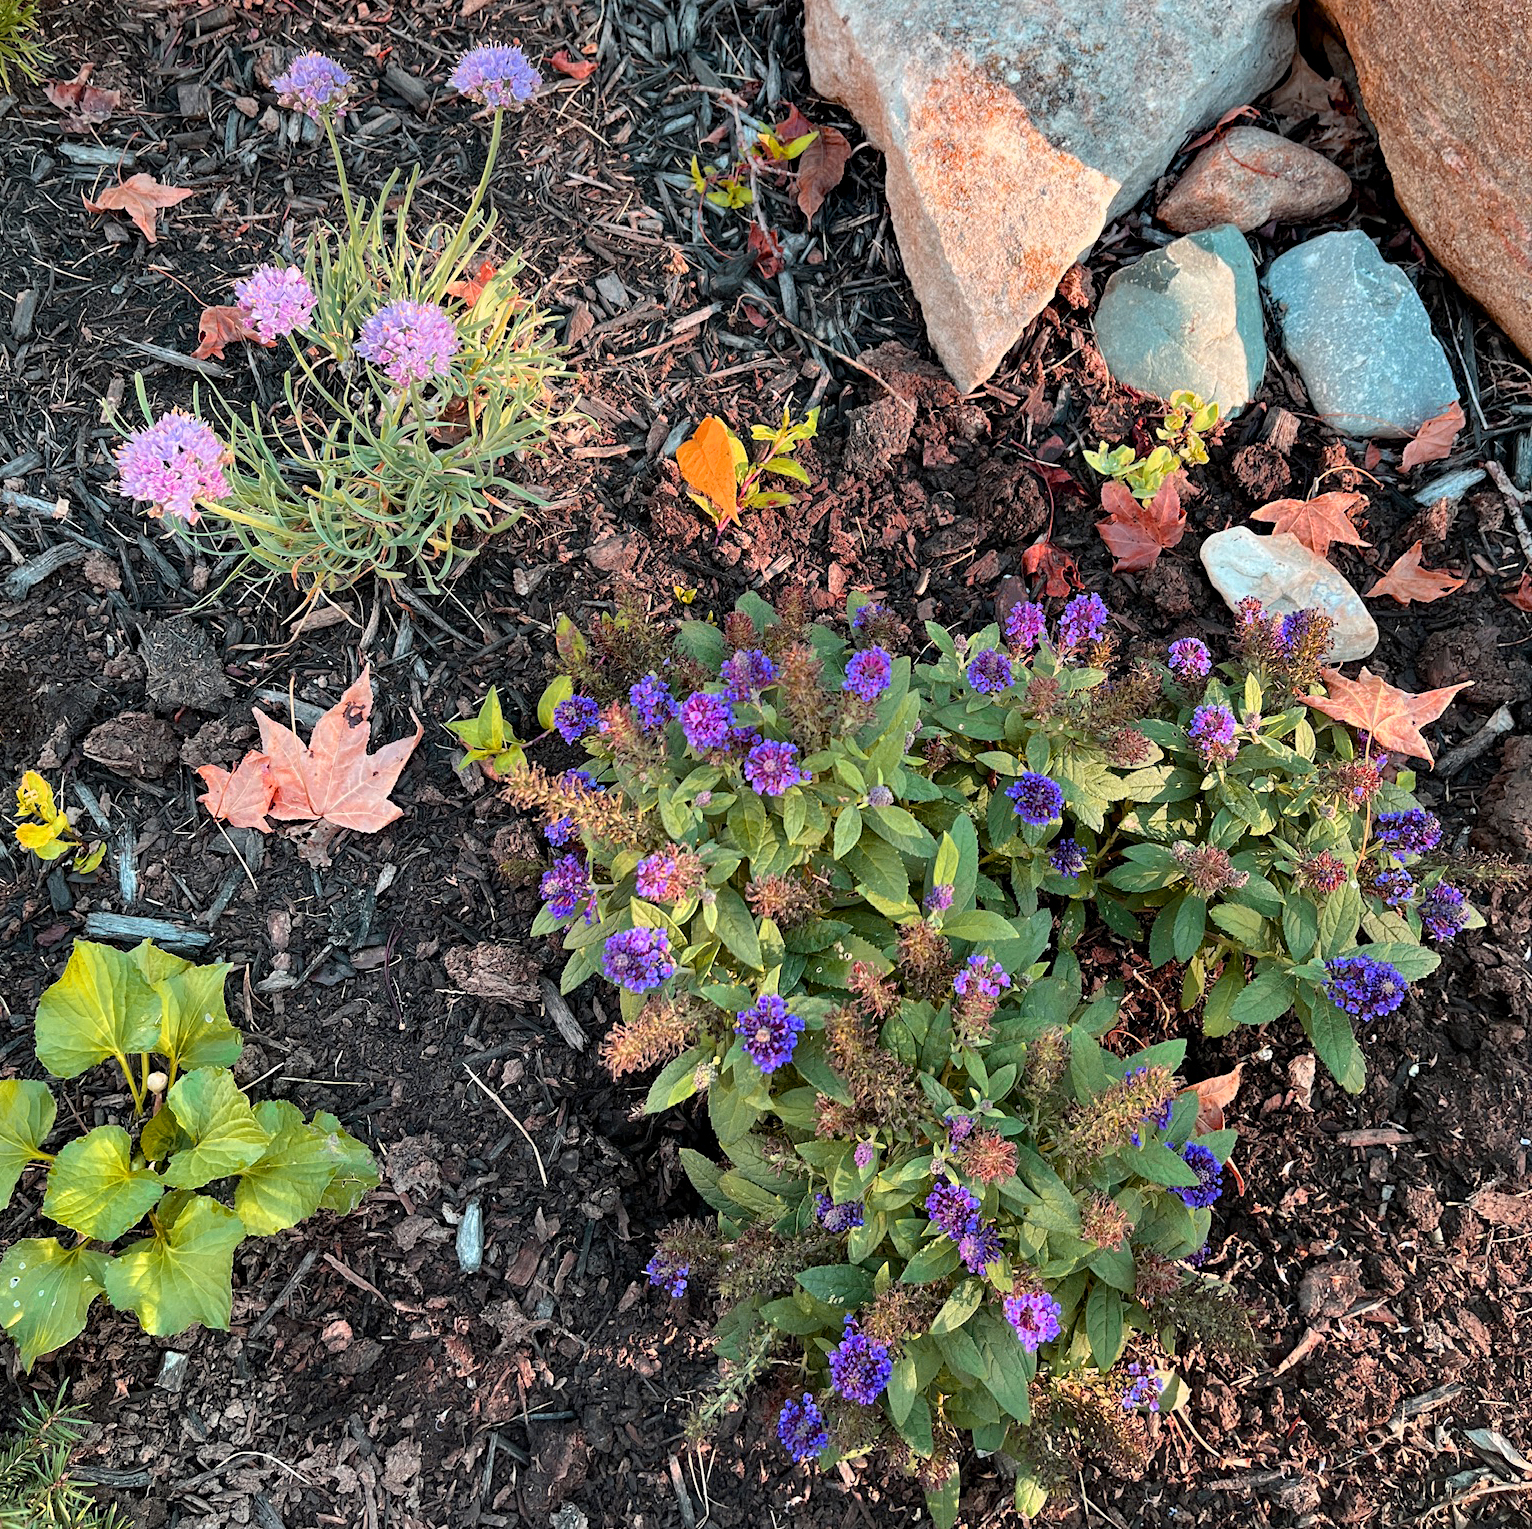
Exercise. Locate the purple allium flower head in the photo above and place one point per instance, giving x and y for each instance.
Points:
(869, 674)
(980, 975)
(1393, 886)
(772, 768)
(1037, 799)
(638, 959)
(1066, 857)
(859, 1367)
(952, 1209)
(801, 1428)
(1209, 1173)
(747, 674)
(770, 1033)
(1409, 833)
(990, 672)
(838, 1218)
(171, 464)
(1212, 733)
(979, 1246)
(1443, 911)
(1143, 1389)
(667, 1274)
(959, 1129)
(1025, 623)
(1084, 620)
(496, 76)
(315, 85)
(706, 719)
(1364, 987)
(654, 877)
(1190, 659)
(575, 716)
(409, 341)
(939, 898)
(1035, 1317)
(880, 796)
(275, 300)
(864, 1154)
(566, 888)
(652, 702)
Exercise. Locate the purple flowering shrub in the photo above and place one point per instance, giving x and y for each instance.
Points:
(940, 1199)
(416, 380)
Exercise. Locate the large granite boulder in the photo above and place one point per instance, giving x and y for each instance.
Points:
(1449, 90)
(1015, 129)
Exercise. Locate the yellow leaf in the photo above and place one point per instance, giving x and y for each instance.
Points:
(707, 463)
(34, 797)
(38, 836)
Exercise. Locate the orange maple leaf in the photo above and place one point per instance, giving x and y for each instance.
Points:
(471, 288)
(334, 778)
(242, 798)
(1136, 533)
(1521, 596)
(141, 197)
(1434, 438)
(217, 327)
(576, 69)
(707, 463)
(1393, 718)
(1407, 581)
(1316, 522)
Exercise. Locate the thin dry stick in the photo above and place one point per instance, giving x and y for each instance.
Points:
(1516, 498)
(500, 1104)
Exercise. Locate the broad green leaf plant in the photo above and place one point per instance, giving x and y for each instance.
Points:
(163, 1023)
(840, 894)
(1186, 422)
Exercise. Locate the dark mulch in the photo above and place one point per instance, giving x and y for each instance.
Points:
(1389, 1269)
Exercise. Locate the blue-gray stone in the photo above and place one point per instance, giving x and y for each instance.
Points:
(1360, 337)
(1187, 317)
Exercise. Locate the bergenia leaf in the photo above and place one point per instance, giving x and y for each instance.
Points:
(184, 1273)
(94, 1189)
(27, 1111)
(224, 1136)
(46, 1290)
(287, 1182)
(100, 1008)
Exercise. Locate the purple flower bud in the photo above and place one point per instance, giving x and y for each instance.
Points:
(769, 1032)
(1024, 625)
(869, 674)
(1190, 659)
(1443, 911)
(409, 341)
(1212, 733)
(638, 959)
(566, 888)
(801, 1428)
(575, 717)
(1363, 987)
(495, 76)
(990, 672)
(773, 769)
(1209, 1173)
(1084, 620)
(705, 720)
(859, 1367)
(1035, 1317)
(315, 85)
(667, 1274)
(1037, 799)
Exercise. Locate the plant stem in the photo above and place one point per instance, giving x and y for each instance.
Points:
(340, 173)
(133, 1088)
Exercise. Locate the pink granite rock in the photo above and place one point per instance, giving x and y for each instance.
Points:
(1250, 177)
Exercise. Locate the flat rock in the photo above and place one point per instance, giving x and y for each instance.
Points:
(1450, 94)
(1013, 132)
(1250, 177)
(1285, 576)
(1187, 316)
(1360, 336)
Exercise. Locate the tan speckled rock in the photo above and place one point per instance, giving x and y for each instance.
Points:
(1250, 177)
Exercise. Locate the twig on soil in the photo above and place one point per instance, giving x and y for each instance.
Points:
(866, 371)
(1470, 749)
(352, 1277)
(264, 1320)
(500, 1104)
(1516, 499)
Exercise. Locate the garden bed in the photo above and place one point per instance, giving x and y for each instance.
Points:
(1380, 1240)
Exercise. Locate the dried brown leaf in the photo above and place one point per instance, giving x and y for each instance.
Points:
(141, 197)
(1407, 582)
(1434, 439)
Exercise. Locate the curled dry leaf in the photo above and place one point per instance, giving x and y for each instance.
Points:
(766, 247)
(471, 289)
(83, 105)
(217, 327)
(1214, 1096)
(1521, 596)
(1057, 569)
(575, 68)
(141, 197)
(1434, 439)
(820, 168)
(1392, 717)
(1136, 533)
(1316, 522)
(1408, 582)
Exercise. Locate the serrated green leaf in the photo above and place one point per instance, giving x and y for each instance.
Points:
(978, 926)
(1268, 997)
(837, 1284)
(1103, 1326)
(934, 1261)
(677, 1081)
(223, 1135)
(46, 1291)
(184, 1273)
(848, 830)
(100, 1008)
(899, 828)
(356, 1170)
(736, 927)
(959, 1306)
(27, 1113)
(1244, 924)
(94, 1189)
(287, 1182)
(194, 1029)
(1300, 925)
(942, 1502)
(1335, 1045)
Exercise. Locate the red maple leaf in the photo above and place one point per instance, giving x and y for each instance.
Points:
(1407, 581)
(1056, 568)
(1136, 533)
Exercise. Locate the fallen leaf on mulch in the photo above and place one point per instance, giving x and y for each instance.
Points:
(1434, 439)
(766, 246)
(1214, 1095)
(1392, 717)
(1521, 596)
(1316, 522)
(707, 464)
(1407, 582)
(217, 327)
(471, 289)
(141, 197)
(1056, 568)
(576, 69)
(83, 105)
(333, 779)
(820, 168)
(1136, 533)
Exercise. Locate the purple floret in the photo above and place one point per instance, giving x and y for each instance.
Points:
(990, 672)
(566, 888)
(869, 674)
(1084, 620)
(315, 85)
(772, 768)
(979, 1246)
(1393, 886)
(864, 1154)
(1024, 625)
(747, 674)
(652, 702)
(769, 1032)
(859, 1367)
(1037, 799)
(275, 301)
(838, 1218)
(1364, 987)
(1212, 733)
(575, 716)
(638, 959)
(952, 1209)
(667, 1274)
(706, 720)
(1209, 1173)
(981, 976)
(1143, 1389)
(409, 341)
(801, 1428)
(1415, 832)
(1190, 659)
(171, 465)
(1067, 858)
(939, 898)
(1443, 911)
(495, 75)
(1035, 1317)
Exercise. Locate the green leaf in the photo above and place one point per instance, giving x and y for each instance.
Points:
(879, 869)
(558, 690)
(1300, 925)
(356, 1173)
(902, 1386)
(287, 1182)
(736, 927)
(1103, 1325)
(915, 1430)
(1335, 1045)
(1339, 917)
(1412, 962)
(933, 1262)
(1160, 1165)
(1190, 924)
(27, 1112)
(1162, 948)
(1217, 1015)
(100, 1008)
(848, 830)
(1244, 924)
(195, 1030)
(959, 1306)
(900, 828)
(45, 1292)
(787, 1316)
(677, 1081)
(942, 1501)
(94, 1189)
(1269, 997)
(837, 1284)
(184, 1273)
(979, 926)
(223, 1134)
